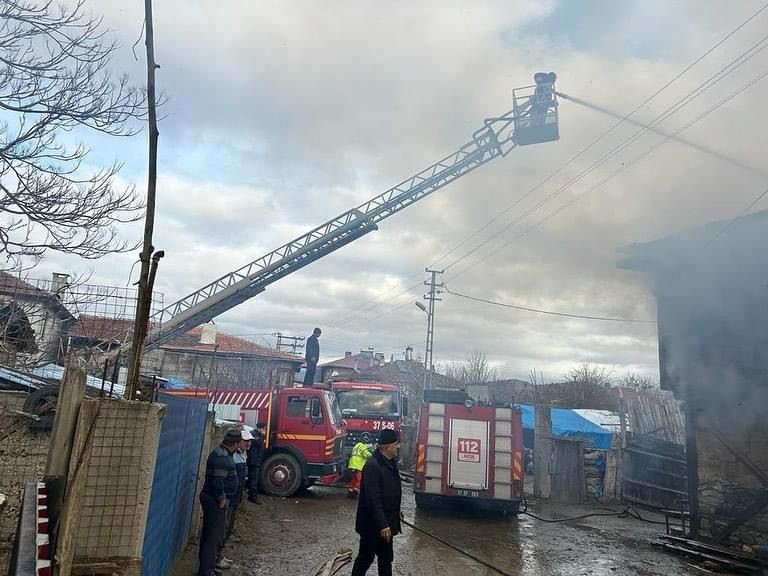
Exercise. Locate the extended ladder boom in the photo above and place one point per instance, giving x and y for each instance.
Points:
(495, 139)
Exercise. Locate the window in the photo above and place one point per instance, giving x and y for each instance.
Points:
(297, 406)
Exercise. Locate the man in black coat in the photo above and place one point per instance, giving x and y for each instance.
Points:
(254, 463)
(311, 355)
(378, 509)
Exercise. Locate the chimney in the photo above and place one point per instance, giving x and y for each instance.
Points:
(347, 354)
(59, 282)
(208, 334)
(409, 354)
(379, 359)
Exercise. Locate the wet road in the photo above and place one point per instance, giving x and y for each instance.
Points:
(294, 536)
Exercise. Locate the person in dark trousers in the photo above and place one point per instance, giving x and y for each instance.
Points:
(378, 509)
(220, 483)
(254, 462)
(311, 355)
(241, 468)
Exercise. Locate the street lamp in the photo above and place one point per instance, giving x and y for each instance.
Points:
(428, 347)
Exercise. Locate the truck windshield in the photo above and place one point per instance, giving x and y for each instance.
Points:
(333, 408)
(356, 402)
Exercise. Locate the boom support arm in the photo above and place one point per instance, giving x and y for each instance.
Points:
(495, 139)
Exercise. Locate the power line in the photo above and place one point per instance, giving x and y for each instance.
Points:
(613, 174)
(371, 304)
(548, 312)
(676, 107)
(734, 220)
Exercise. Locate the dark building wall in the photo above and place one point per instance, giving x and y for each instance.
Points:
(713, 353)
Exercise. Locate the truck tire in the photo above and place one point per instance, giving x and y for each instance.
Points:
(281, 475)
(42, 403)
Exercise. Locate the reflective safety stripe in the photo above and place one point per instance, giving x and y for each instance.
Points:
(301, 437)
(517, 467)
(420, 458)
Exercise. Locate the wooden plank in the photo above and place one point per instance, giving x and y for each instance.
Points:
(707, 556)
(68, 522)
(655, 487)
(651, 454)
(720, 549)
(71, 394)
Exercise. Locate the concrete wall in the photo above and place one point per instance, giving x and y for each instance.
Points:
(119, 462)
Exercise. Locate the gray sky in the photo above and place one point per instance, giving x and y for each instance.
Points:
(283, 114)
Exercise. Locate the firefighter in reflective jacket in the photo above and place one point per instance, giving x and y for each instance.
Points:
(360, 453)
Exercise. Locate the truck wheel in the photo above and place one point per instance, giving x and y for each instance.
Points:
(42, 403)
(281, 475)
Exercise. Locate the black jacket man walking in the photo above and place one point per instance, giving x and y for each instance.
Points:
(378, 509)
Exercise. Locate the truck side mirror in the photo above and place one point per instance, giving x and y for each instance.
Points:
(316, 414)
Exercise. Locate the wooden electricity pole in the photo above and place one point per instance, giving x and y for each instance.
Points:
(148, 260)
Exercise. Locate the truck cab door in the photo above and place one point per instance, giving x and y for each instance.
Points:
(304, 425)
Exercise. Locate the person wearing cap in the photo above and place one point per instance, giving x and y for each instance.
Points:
(378, 508)
(312, 355)
(240, 458)
(220, 483)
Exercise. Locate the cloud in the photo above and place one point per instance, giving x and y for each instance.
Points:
(283, 114)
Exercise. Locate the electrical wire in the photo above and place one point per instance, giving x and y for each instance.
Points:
(548, 312)
(731, 222)
(568, 162)
(621, 169)
(722, 73)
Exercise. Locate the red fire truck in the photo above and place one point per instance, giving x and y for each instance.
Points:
(368, 408)
(305, 434)
(468, 453)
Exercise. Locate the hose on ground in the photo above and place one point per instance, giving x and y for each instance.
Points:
(628, 512)
(457, 549)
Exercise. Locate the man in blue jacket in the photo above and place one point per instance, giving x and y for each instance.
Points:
(378, 510)
(220, 483)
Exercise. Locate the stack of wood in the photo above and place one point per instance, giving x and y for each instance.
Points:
(712, 559)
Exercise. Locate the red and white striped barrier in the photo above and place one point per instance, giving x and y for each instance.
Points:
(42, 535)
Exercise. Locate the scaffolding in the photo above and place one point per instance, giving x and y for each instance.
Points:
(48, 321)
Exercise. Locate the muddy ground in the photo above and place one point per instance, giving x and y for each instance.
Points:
(294, 536)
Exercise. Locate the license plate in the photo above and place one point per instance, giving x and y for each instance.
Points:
(470, 493)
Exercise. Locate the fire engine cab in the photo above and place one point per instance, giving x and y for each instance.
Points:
(468, 452)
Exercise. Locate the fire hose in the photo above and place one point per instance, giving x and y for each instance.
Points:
(628, 512)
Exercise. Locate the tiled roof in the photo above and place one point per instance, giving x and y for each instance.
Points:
(10, 283)
(101, 328)
(190, 341)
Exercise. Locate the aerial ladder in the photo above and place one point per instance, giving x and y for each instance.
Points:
(532, 120)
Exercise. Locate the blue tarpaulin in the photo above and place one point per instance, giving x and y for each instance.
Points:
(569, 424)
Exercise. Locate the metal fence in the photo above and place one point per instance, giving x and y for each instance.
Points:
(175, 479)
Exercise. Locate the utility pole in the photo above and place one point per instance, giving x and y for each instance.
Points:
(432, 297)
(149, 258)
(289, 342)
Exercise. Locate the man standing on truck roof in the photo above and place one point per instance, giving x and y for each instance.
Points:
(220, 484)
(312, 355)
(378, 510)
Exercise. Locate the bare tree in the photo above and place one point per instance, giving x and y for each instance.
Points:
(54, 78)
(476, 369)
(591, 374)
(632, 380)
